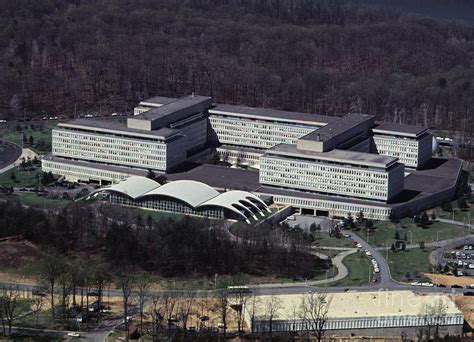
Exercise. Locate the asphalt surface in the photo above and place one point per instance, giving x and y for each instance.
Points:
(9, 154)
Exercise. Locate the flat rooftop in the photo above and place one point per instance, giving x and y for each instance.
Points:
(117, 127)
(399, 129)
(171, 107)
(344, 305)
(440, 175)
(272, 114)
(341, 156)
(220, 177)
(338, 127)
(158, 100)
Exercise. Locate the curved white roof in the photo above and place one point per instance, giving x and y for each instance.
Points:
(134, 186)
(232, 199)
(191, 192)
(195, 194)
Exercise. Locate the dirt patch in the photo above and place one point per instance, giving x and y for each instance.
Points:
(17, 253)
(466, 305)
(449, 280)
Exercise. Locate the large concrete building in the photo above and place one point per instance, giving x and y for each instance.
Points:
(380, 313)
(317, 164)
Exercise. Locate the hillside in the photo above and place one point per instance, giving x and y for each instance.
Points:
(330, 57)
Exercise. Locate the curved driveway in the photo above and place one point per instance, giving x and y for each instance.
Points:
(8, 155)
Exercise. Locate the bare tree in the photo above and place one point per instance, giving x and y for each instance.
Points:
(50, 269)
(314, 310)
(239, 301)
(253, 305)
(38, 302)
(100, 277)
(433, 316)
(223, 302)
(142, 284)
(272, 306)
(185, 307)
(125, 282)
(9, 299)
(157, 313)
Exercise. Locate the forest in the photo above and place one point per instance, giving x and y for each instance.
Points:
(171, 247)
(68, 57)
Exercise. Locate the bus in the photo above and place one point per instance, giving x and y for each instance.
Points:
(238, 289)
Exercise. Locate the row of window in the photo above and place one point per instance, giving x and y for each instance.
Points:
(387, 322)
(81, 172)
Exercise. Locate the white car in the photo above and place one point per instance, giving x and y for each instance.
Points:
(359, 245)
(367, 253)
(376, 270)
(415, 283)
(73, 334)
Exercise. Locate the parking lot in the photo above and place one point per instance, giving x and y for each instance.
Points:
(461, 260)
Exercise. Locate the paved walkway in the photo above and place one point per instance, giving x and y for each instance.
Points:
(457, 223)
(342, 272)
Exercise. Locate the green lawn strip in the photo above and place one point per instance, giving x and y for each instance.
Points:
(407, 265)
(325, 240)
(360, 270)
(33, 200)
(24, 178)
(384, 234)
(42, 132)
(459, 215)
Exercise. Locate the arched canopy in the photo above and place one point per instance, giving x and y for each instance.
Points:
(195, 194)
(191, 192)
(133, 187)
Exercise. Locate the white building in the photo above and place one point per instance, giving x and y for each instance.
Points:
(337, 172)
(381, 313)
(410, 144)
(159, 139)
(316, 163)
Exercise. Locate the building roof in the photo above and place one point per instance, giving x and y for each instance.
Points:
(157, 101)
(172, 107)
(195, 194)
(346, 305)
(117, 127)
(189, 191)
(337, 127)
(220, 177)
(134, 187)
(271, 114)
(399, 129)
(340, 156)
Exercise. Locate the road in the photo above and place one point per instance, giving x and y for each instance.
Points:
(457, 223)
(10, 154)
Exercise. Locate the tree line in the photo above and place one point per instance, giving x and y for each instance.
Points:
(318, 56)
(171, 246)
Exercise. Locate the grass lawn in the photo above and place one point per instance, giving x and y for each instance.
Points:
(23, 178)
(384, 234)
(459, 215)
(412, 261)
(41, 133)
(325, 240)
(33, 200)
(360, 270)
